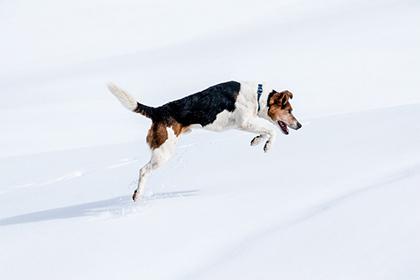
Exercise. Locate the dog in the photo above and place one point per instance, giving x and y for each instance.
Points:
(252, 107)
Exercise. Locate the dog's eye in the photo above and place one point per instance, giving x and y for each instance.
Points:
(290, 111)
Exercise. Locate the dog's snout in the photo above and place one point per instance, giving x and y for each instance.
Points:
(299, 125)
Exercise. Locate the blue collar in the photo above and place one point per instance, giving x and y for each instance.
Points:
(259, 92)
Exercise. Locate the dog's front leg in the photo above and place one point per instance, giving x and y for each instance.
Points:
(257, 140)
(263, 127)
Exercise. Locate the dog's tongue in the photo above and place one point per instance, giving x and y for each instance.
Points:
(283, 127)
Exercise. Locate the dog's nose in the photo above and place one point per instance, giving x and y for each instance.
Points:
(299, 125)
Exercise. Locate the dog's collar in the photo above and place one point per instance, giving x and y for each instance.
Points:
(259, 92)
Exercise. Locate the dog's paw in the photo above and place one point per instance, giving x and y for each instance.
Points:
(256, 140)
(267, 146)
(135, 195)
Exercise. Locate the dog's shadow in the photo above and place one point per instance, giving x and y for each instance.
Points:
(114, 206)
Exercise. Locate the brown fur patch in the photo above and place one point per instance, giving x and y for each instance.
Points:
(277, 103)
(178, 128)
(157, 135)
(275, 111)
(279, 107)
(280, 98)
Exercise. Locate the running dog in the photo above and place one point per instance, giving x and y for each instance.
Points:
(252, 107)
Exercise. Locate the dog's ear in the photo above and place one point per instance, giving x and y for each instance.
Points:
(284, 98)
(289, 94)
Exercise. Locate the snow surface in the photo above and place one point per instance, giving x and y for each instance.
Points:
(337, 199)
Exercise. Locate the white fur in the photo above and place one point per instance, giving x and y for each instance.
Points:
(159, 157)
(246, 116)
(127, 100)
(224, 120)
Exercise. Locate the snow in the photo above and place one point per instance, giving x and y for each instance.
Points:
(334, 200)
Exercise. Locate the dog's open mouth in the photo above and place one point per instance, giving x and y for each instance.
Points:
(283, 127)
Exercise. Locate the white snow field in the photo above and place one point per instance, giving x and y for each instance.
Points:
(338, 199)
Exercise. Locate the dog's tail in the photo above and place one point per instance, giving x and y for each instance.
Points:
(129, 102)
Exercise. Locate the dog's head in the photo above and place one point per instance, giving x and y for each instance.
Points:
(280, 110)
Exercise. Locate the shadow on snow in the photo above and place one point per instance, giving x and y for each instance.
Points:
(114, 205)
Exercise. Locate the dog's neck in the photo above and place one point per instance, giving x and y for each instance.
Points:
(262, 102)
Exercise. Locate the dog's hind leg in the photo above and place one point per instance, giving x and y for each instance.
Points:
(144, 171)
(160, 155)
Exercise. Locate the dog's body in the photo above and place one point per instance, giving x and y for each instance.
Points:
(246, 106)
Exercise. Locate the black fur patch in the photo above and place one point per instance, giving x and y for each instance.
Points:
(200, 108)
(144, 110)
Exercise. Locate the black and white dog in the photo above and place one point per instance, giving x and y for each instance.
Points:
(251, 107)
